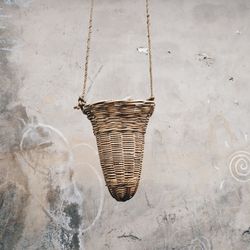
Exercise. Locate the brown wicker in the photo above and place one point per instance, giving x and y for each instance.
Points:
(119, 127)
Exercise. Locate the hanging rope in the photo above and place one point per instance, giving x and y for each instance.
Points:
(149, 52)
(81, 99)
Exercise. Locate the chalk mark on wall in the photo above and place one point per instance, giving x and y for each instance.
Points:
(47, 151)
(37, 151)
(100, 180)
(239, 166)
(200, 243)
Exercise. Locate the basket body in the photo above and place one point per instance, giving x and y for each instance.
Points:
(119, 127)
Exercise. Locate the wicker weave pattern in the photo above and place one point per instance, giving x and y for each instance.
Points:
(119, 127)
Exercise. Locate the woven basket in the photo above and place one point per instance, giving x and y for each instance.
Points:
(119, 127)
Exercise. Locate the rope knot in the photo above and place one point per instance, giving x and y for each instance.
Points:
(81, 103)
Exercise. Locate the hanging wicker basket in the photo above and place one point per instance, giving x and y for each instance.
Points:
(119, 127)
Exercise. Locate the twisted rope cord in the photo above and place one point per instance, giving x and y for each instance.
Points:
(81, 99)
(149, 51)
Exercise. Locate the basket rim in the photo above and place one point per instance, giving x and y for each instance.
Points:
(130, 101)
(117, 106)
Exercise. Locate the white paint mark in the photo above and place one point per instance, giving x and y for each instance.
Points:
(127, 98)
(216, 167)
(227, 144)
(246, 137)
(143, 50)
(239, 166)
(238, 32)
(6, 49)
(222, 184)
(236, 102)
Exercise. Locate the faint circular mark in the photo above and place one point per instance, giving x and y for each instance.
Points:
(100, 181)
(44, 146)
(200, 243)
(239, 166)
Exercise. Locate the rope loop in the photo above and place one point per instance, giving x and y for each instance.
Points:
(81, 99)
(81, 103)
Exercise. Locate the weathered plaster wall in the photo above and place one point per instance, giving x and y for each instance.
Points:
(194, 192)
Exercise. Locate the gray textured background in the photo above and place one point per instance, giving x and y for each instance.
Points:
(194, 192)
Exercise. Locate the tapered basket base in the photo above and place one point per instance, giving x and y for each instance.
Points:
(119, 127)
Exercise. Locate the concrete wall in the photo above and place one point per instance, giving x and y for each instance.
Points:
(194, 192)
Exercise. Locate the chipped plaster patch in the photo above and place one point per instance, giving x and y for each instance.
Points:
(206, 59)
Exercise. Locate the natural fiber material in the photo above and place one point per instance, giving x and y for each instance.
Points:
(81, 99)
(119, 127)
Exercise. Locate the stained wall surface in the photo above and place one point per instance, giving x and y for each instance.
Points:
(195, 184)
